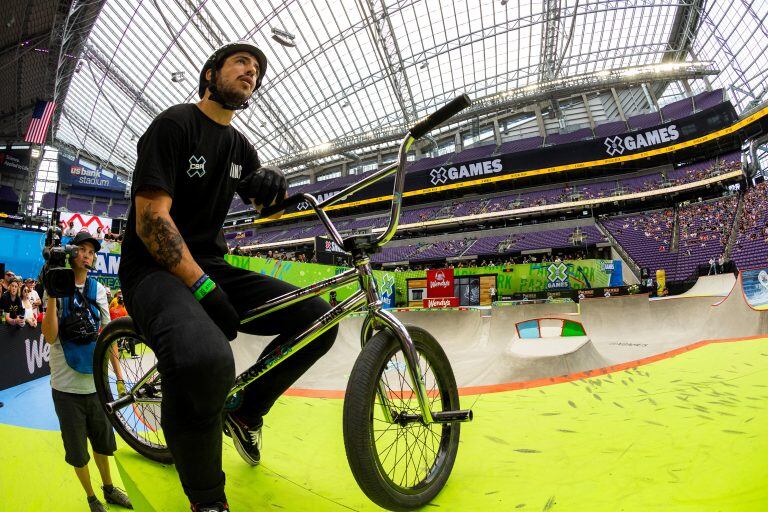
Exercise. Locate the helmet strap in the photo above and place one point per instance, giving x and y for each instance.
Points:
(215, 96)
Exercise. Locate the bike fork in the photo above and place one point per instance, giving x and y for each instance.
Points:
(414, 372)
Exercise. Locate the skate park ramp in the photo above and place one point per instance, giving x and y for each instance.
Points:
(485, 348)
(718, 285)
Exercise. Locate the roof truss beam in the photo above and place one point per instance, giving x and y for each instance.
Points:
(384, 39)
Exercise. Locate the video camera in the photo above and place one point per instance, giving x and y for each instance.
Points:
(57, 278)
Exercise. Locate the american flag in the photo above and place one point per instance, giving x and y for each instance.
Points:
(41, 119)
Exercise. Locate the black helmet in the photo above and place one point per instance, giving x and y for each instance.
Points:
(217, 58)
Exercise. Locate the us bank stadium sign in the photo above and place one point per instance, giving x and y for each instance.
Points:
(619, 144)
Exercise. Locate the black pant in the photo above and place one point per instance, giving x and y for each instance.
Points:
(198, 369)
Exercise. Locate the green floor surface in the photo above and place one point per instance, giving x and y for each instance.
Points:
(34, 476)
(683, 434)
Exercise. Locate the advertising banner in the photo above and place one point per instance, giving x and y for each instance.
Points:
(107, 265)
(82, 174)
(605, 150)
(442, 302)
(26, 355)
(439, 283)
(324, 245)
(661, 282)
(535, 277)
(83, 221)
(755, 284)
(304, 274)
(14, 161)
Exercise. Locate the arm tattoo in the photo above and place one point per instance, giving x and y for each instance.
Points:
(161, 237)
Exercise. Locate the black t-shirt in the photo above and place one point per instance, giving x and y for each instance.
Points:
(199, 163)
(13, 307)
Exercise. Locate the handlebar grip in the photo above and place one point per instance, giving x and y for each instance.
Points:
(278, 207)
(440, 116)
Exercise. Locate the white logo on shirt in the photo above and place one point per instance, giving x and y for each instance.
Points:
(234, 171)
(196, 166)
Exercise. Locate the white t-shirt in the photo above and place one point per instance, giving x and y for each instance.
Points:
(33, 298)
(29, 311)
(63, 377)
(70, 231)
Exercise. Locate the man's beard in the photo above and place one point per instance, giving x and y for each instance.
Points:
(231, 94)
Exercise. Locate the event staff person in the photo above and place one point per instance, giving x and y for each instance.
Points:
(182, 294)
(81, 417)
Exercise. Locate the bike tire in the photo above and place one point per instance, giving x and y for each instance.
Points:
(359, 421)
(122, 329)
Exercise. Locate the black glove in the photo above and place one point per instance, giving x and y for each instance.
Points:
(263, 186)
(216, 303)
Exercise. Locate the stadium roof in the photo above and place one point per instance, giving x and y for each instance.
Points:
(338, 70)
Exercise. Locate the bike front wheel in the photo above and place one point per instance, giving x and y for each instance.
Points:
(399, 465)
(122, 359)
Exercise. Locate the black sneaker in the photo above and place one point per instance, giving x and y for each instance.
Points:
(213, 507)
(96, 506)
(247, 439)
(117, 497)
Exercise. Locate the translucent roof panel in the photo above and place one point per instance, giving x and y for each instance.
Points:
(359, 65)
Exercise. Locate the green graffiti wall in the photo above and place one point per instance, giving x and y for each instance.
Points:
(305, 274)
(530, 277)
(536, 277)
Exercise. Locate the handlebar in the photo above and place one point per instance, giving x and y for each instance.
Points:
(278, 207)
(440, 116)
(416, 132)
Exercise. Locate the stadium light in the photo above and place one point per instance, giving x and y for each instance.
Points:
(284, 38)
(34, 154)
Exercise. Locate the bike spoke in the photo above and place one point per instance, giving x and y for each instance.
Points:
(141, 419)
(407, 453)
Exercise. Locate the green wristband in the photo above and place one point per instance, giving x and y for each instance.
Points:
(204, 289)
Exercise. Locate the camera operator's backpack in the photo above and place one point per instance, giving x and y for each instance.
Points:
(79, 327)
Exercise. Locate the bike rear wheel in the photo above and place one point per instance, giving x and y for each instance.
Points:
(122, 352)
(399, 465)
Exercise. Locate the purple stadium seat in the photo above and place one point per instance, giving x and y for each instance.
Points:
(474, 153)
(611, 128)
(526, 144)
(574, 136)
(677, 109)
(641, 121)
(705, 100)
(751, 247)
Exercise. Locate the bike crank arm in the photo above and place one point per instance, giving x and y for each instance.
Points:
(404, 418)
(142, 396)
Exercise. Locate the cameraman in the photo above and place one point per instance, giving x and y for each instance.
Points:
(74, 392)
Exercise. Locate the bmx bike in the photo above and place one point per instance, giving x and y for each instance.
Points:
(401, 415)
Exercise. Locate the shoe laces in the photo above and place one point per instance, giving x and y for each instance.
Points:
(254, 436)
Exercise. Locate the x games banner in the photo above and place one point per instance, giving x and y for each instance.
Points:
(525, 164)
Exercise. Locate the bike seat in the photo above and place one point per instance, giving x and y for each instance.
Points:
(365, 243)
